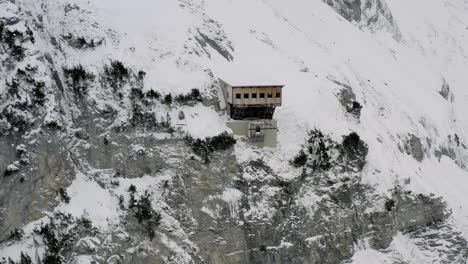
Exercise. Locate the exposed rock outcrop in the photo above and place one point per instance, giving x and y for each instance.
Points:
(371, 14)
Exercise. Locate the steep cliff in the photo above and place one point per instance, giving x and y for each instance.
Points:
(102, 103)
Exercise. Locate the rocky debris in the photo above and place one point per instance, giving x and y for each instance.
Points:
(415, 211)
(11, 169)
(207, 36)
(371, 14)
(204, 41)
(347, 99)
(73, 19)
(414, 147)
(446, 93)
(454, 148)
(29, 196)
(444, 241)
(350, 10)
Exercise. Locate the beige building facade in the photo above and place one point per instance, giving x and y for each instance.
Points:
(251, 109)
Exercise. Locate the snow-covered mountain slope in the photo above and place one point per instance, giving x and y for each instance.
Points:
(85, 113)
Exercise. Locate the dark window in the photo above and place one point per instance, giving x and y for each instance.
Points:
(254, 95)
(262, 95)
(278, 95)
(238, 96)
(270, 95)
(246, 96)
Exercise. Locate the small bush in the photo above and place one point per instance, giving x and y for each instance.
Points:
(153, 94)
(39, 93)
(356, 107)
(16, 119)
(77, 77)
(18, 52)
(322, 153)
(52, 259)
(142, 118)
(84, 222)
(132, 201)
(389, 204)
(168, 99)
(82, 42)
(193, 96)
(12, 87)
(30, 35)
(2, 30)
(118, 70)
(195, 93)
(136, 94)
(64, 195)
(353, 152)
(222, 141)
(117, 74)
(318, 146)
(132, 188)
(13, 39)
(16, 234)
(141, 75)
(53, 125)
(351, 143)
(300, 159)
(121, 202)
(144, 212)
(457, 140)
(53, 242)
(62, 231)
(204, 147)
(25, 258)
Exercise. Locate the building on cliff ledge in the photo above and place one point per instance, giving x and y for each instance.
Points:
(251, 109)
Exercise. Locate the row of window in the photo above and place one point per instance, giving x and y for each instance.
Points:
(254, 95)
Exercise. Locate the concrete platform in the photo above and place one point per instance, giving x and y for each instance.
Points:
(262, 133)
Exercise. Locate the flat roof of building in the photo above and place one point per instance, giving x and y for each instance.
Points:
(256, 86)
(253, 84)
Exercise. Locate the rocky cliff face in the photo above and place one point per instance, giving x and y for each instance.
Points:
(368, 14)
(112, 151)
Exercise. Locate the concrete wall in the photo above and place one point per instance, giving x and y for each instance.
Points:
(226, 88)
(241, 128)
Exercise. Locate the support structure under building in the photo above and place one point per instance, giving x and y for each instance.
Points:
(251, 109)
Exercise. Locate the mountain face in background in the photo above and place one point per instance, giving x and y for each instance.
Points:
(112, 143)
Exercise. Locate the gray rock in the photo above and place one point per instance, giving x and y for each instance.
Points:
(446, 93)
(413, 147)
(372, 14)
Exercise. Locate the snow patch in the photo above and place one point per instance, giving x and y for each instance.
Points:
(91, 200)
